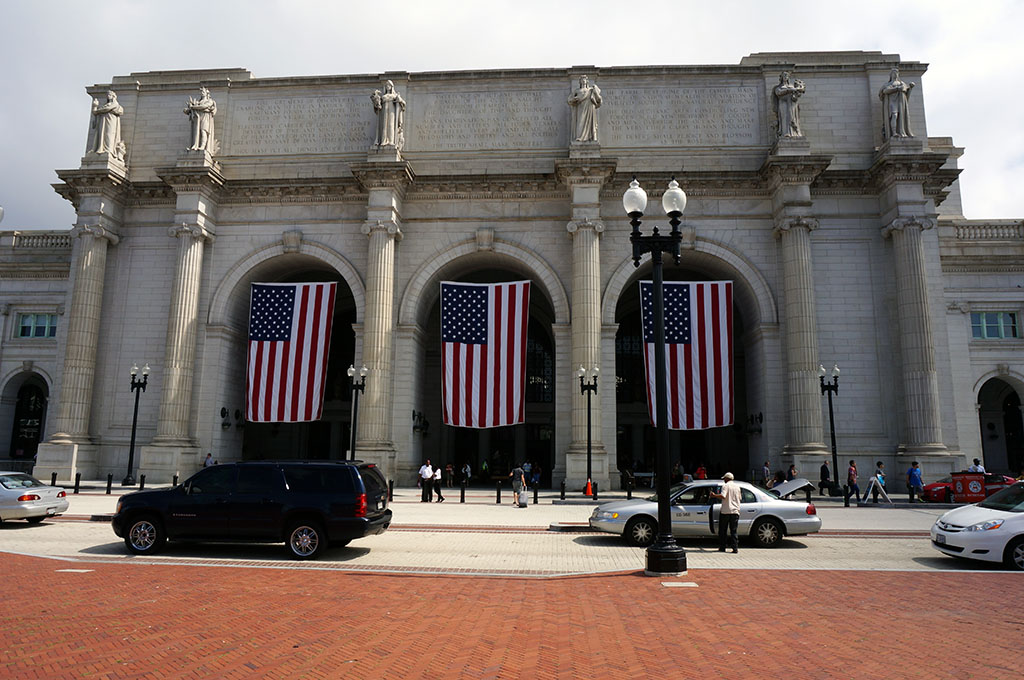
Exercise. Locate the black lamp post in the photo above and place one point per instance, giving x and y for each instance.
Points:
(357, 387)
(588, 388)
(138, 386)
(665, 556)
(831, 387)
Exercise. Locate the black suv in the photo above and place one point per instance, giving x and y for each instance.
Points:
(306, 504)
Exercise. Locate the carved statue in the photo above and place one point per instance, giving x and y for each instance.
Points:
(390, 109)
(585, 102)
(106, 128)
(200, 113)
(895, 97)
(786, 102)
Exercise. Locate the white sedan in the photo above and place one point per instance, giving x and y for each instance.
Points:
(991, 531)
(25, 497)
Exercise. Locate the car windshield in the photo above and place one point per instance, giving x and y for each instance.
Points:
(18, 480)
(945, 480)
(1010, 499)
(671, 492)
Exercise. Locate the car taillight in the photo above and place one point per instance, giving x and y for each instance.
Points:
(361, 505)
(28, 497)
(811, 510)
(61, 494)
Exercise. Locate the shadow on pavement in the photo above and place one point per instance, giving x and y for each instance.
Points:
(262, 552)
(689, 544)
(944, 563)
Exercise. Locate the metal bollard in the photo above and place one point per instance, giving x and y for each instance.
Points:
(53, 479)
(846, 496)
(497, 492)
(462, 493)
(808, 494)
(110, 480)
(629, 489)
(563, 489)
(593, 487)
(391, 490)
(535, 492)
(142, 482)
(78, 480)
(174, 480)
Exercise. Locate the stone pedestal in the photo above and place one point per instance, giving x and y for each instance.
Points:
(161, 463)
(576, 467)
(584, 150)
(66, 460)
(791, 146)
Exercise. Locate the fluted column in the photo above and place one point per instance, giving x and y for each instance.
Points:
(804, 425)
(378, 331)
(586, 320)
(173, 427)
(917, 356)
(76, 397)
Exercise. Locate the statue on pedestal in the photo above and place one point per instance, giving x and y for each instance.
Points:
(786, 102)
(390, 109)
(895, 97)
(585, 101)
(106, 128)
(200, 113)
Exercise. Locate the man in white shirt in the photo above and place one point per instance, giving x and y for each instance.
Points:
(426, 481)
(977, 467)
(729, 517)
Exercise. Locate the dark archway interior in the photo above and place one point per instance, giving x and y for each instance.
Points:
(29, 416)
(1002, 427)
(720, 449)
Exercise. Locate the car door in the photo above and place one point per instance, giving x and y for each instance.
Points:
(750, 508)
(256, 506)
(690, 512)
(201, 508)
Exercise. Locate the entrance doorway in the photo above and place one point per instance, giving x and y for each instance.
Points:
(1002, 427)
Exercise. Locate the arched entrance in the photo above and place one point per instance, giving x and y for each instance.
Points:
(30, 397)
(1002, 427)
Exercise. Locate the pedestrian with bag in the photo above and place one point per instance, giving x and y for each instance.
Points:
(915, 486)
(729, 516)
(518, 485)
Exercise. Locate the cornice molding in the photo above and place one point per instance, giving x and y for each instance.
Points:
(394, 175)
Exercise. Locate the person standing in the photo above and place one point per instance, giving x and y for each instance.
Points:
(426, 477)
(766, 475)
(851, 480)
(729, 517)
(518, 484)
(977, 467)
(437, 485)
(449, 475)
(914, 483)
(791, 475)
(467, 472)
(209, 460)
(826, 479)
(880, 476)
(701, 473)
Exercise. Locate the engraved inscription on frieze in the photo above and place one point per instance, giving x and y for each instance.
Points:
(300, 125)
(453, 121)
(689, 116)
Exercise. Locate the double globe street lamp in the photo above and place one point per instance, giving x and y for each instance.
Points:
(138, 386)
(665, 556)
(588, 388)
(357, 388)
(831, 387)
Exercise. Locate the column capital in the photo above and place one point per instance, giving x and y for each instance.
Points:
(391, 228)
(183, 180)
(784, 224)
(926, 167)
(585, 223)
(908, 222)
(109, 183)
(574, 171)
(779, 170)
(96, 231)
(394, 175)
(194, 230)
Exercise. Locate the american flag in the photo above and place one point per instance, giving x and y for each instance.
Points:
(698, 352)
(483, 353)
(289, 339)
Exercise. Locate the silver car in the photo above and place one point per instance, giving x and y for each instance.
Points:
(764, 516)
(25, 497)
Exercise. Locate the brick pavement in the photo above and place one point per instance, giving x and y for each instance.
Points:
(156, 621)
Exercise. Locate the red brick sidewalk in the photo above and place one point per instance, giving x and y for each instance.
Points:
(143, 621)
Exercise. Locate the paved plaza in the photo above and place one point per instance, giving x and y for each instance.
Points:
(481, 590)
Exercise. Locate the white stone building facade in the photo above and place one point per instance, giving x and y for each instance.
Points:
(845, 242)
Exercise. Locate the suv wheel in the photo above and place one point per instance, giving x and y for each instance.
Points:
(145, 536)
(306, 540)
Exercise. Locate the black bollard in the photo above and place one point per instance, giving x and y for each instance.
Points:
(391, 490)
(497, 492)
(174, 480)
(110, 480)
(535, 492)
(808, 490)
(629, 489)
(53, 479)
(78, 480)
(846, 496)
(563, 489)
(462, 493)
(593, 487)
(142, 482)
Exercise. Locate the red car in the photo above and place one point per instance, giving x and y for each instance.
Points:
(942, 490)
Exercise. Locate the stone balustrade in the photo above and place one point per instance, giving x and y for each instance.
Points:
(37, 240)
(1008, 230)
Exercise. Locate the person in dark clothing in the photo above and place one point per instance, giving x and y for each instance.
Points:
(826, 479)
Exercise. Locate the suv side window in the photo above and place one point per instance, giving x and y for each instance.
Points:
(214, 480)
(319, 479)
(264, 479)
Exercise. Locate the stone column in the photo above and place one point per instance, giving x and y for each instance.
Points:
(804, 424)
(917, 356)
(585, 177)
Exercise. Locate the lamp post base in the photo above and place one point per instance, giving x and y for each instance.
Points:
(128, 481)
(665, 560)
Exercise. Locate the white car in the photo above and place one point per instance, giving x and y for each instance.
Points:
(992, 530)
(25, 497)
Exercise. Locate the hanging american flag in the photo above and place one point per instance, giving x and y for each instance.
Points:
(483, 353)
(289, 339)
(698, 352)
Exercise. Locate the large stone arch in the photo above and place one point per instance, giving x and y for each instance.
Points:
(467, 254)
(752, 294)
(10, 387)
(220, 313)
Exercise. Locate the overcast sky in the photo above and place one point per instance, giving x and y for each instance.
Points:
(51, 50)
